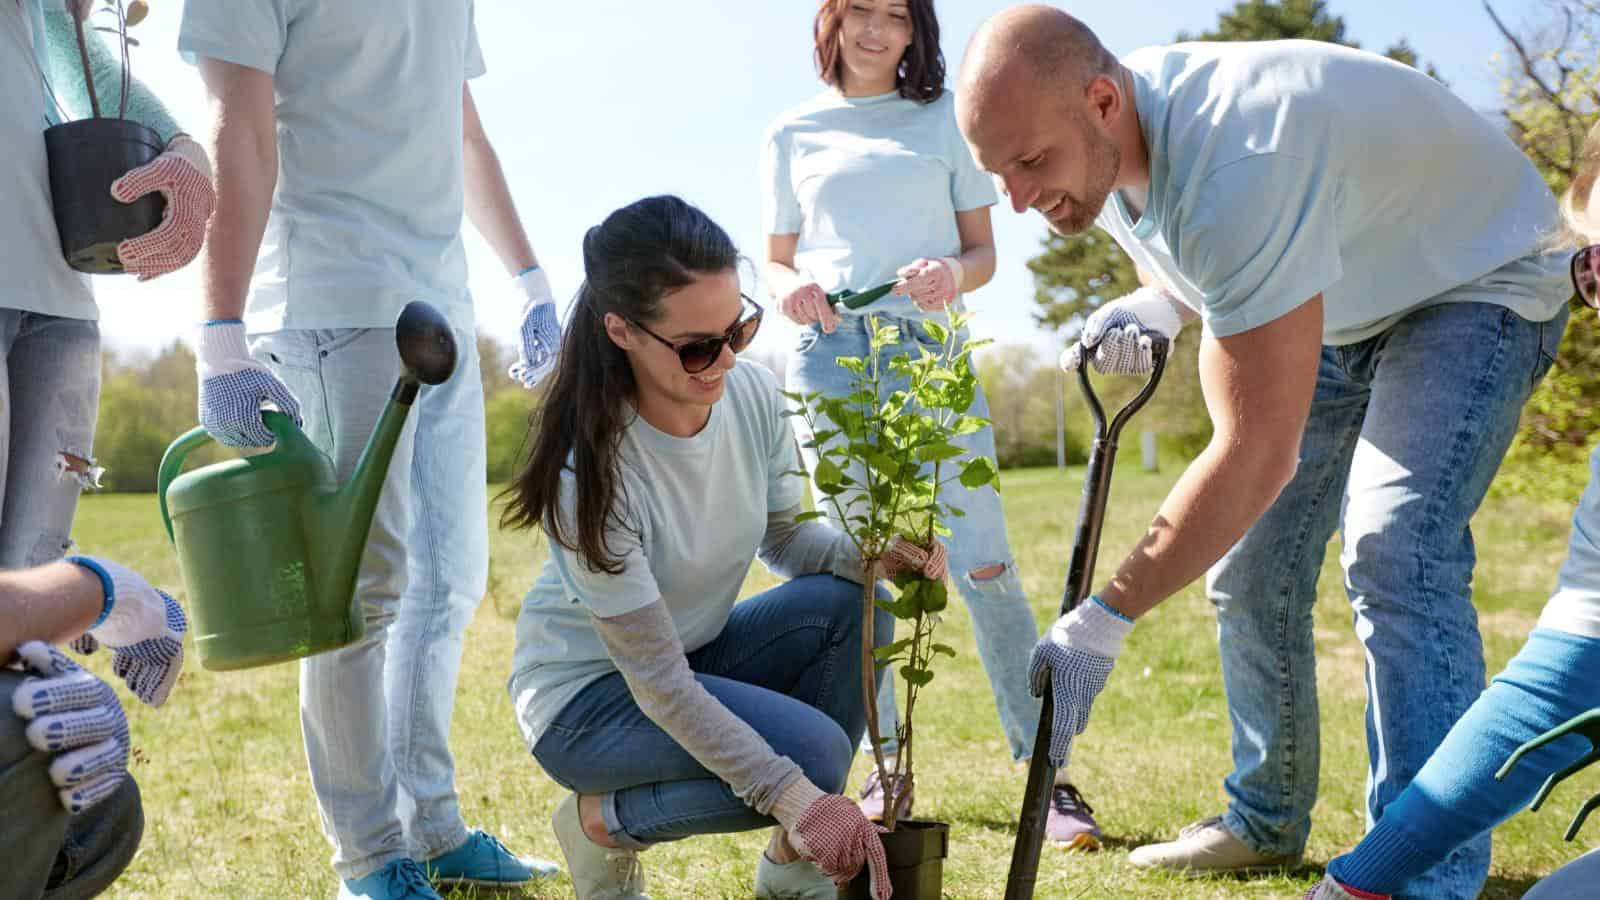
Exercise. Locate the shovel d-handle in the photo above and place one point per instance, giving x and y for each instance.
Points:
(172, 461)
(1080, 573)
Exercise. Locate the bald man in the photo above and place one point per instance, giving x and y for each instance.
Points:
(1362, 251)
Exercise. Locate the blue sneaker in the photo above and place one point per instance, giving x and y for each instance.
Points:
(399, 880)
(485, 862)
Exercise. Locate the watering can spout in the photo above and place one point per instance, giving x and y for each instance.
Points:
(427, 356)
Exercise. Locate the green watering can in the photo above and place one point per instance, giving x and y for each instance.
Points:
(269, 544)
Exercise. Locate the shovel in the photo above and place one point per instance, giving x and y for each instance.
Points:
(1080, 573)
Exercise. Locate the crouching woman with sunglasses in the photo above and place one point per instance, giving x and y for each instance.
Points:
(660, 467)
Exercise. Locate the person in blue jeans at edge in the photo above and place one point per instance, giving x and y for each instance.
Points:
(73, 817)
(1371, 327)
(1455, 798)
(49, 328)
(348, 146)
(660, 467)
(870, 182)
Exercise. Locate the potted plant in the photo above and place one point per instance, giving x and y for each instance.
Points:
(883, 452)
(87, 155)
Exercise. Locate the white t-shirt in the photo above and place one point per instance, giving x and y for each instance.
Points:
(869, 184)
(688, 516)
(367, 212)
(37, 277)
(1282, 169)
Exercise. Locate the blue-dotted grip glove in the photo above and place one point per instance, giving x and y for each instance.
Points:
(1123, 333)
(78, 719)
(541, 330)
(143, 626)
(1076, 656)
(233, 387)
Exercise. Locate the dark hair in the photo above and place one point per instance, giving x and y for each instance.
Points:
(921, 74)
(638, 254)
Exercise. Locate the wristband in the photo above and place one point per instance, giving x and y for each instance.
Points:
(108, 590)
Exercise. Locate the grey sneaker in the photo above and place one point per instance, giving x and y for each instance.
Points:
(1329, 889)
(1207, 846)
(1070, 821)
(598, 873)
(799, 880)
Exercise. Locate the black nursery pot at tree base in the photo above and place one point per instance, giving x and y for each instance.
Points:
(916, 852)
(85, 157)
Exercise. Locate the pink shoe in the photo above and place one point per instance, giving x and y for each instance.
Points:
(872, 795)
(1070, 821)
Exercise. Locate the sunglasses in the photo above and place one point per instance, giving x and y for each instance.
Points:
(698, 355)
(1586, 275)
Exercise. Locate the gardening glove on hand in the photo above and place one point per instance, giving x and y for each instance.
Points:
(182, 175)
(832, 832)
(77, 718)
(143, 626)
(541, 330)
(905, 556)
(1123, 331)
(1075, 657)
(932, 284)
(233, 386)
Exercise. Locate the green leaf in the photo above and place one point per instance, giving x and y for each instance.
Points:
(889, 650)
(809, 516)
(946, 649)
(939, 452)
(935, 330)
(935, 596)
(918, 677)
(829, 473)
(852, 364)
(977, 472)
(970, 424)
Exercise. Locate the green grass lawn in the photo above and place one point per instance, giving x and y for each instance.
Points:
(230, 812)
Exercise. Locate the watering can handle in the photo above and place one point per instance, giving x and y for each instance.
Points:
(172, 461)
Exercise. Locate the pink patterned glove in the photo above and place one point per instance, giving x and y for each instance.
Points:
(839, 840)
(932, 284)
(182, 175)
(905, 556)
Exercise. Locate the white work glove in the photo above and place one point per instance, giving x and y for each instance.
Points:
(932, 284)
(1124, 330)
(143, 626)
(1076, 656)
(233, 386)
(541, 329)
(78, 719)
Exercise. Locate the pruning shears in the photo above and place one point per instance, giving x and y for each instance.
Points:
(1588, 725)
(853, 300)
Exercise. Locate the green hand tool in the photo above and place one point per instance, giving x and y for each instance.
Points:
(1588, 725)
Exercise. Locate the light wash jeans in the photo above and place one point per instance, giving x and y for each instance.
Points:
(49, 397)
(788, 663)
(1002, 622)
(1406, 431)
(47, 852)
(376, 714)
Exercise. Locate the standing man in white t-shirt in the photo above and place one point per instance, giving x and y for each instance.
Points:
(1362, 251)
(347, 147)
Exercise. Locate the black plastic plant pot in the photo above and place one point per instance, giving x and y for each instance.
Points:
(85, 157)
(916, 852)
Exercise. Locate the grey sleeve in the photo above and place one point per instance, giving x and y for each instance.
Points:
(791, 549)
(645, 648)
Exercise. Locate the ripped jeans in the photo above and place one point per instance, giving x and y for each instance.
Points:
(49, 396)
(981, 566)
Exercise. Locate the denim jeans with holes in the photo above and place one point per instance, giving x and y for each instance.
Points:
(376, 714)
(1406, 431)
(981, 566)
(49, 396)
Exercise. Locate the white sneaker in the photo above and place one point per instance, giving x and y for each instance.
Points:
(1207, 846)
(799, 880)
(598, 873)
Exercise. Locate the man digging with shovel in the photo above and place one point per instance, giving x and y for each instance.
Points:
(1375, 312)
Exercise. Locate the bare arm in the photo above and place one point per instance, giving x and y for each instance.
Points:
(245, 154)
(488, 198)
(51, 603)
(782, 276)
(1258, 388)
(977, 248)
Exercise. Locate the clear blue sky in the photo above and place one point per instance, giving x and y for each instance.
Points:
(596, 103)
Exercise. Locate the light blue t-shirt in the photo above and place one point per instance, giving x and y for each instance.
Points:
(688, 517)
(1282, 169)
(367, 212)
(869, 184)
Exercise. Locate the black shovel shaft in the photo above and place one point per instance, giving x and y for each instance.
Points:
(1080, 575)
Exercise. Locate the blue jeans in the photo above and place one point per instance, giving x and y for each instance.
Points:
(981, 565)
(49, 396)
(1406, 431)
(788, 663)
(376, 714)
